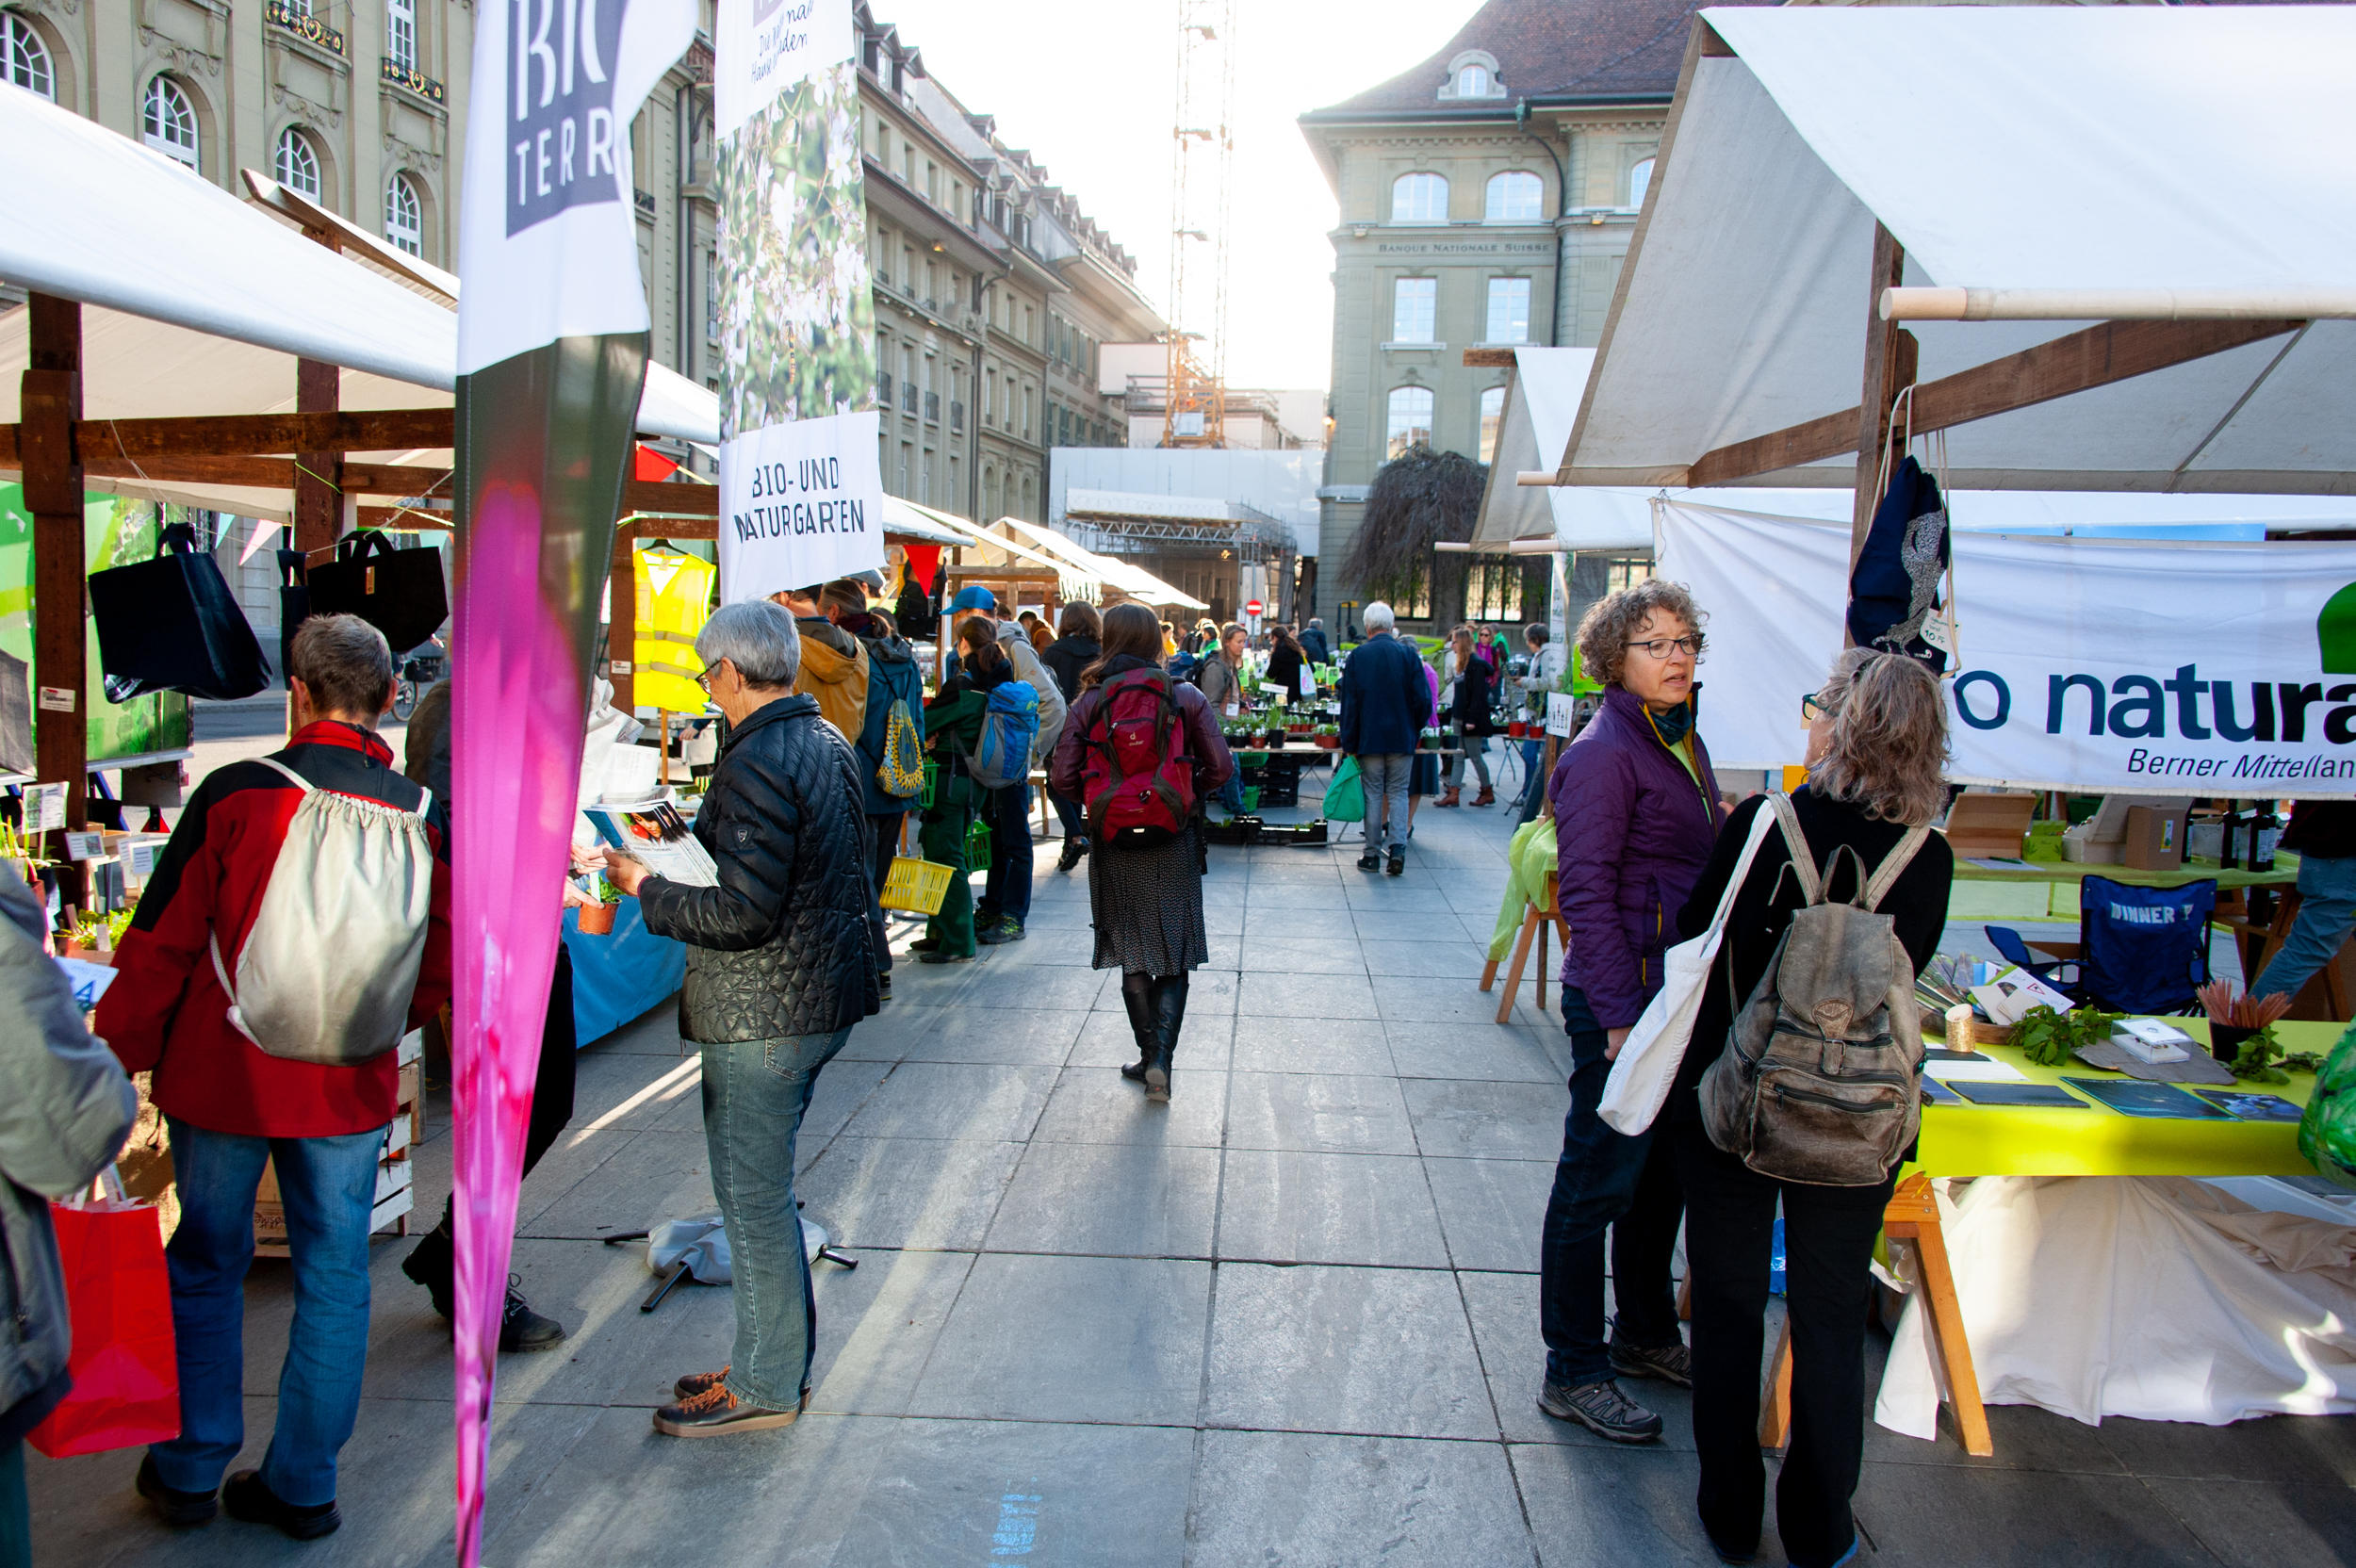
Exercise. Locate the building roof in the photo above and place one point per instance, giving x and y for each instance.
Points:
(1547, 51)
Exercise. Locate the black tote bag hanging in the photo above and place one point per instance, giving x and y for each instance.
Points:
(171, 625)
(401, 593)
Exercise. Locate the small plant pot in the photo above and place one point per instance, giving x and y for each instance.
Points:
(2225, 1039)
(596, 920)
(1273, 740)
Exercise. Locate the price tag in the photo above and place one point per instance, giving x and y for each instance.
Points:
(44, 808)
(1561, 707)
(617, 666)
(144, 856)
(1935, 633)
(57, 699)
(85, 846)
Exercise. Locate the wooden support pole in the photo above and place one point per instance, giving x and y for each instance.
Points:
(51, 398)
(318, 476)
(621, 628)
(1890, 364)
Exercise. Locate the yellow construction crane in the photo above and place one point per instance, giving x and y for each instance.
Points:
(1202, 155)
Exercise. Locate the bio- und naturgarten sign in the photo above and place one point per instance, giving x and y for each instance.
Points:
(801, 485)
(2144, 666)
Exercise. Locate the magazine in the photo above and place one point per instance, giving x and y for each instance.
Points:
(2131, 1098)
(2252, 1107)
(654, 834)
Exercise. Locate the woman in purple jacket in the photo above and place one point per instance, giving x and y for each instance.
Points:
(1635, 811)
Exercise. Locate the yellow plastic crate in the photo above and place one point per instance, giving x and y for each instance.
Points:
(916, 887)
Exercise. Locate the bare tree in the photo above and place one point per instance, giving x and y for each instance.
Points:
(1419, 498)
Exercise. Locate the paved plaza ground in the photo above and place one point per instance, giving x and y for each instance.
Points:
(1290, 1319)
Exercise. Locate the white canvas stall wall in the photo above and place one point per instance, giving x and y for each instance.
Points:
(2206, 668)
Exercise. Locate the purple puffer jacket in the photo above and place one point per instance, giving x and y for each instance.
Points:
(1632, 832)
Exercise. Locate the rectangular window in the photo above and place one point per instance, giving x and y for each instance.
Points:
(1625, 572)
(712, 297)
(1509, 311)
(1493, 591)
(1415, 306)
(400, 33)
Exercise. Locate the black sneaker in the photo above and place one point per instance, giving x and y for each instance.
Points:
(1602, 1409)
(1397, 866)
(1669, 1364)
(924, 944)
(717, 1412)
(523, 1329)
(1370, 861)
(429, 1264)
(1007, 929)
(180, 1509)
(249, 1497)
(1072, 850)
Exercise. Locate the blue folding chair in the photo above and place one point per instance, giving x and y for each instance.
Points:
(2013, 950)
(2144, 950)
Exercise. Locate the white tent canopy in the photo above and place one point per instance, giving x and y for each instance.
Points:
(214, 323)
(2198, 150)
(1135, 582)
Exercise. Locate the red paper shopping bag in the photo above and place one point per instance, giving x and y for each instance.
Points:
(126, 1381)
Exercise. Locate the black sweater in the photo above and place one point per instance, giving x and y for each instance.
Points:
(1763, 909)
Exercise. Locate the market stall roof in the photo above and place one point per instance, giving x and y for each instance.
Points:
(218, 328)
(1073, 581)
(906, 520)
(2196, 153)
(1135, 582)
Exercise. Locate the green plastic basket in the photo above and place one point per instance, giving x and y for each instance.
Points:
(978, 848)
(1250, 799)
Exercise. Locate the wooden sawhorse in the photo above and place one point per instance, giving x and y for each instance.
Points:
(1536, 918)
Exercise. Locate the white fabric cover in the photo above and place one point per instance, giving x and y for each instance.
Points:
(2159, 1299)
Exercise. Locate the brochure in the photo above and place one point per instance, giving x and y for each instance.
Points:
(2042, 1096)
(1973, 1069)
(653, 833)
(1937, 1093)
(2251, 1107)
(2129, 1097)
(2012, 991)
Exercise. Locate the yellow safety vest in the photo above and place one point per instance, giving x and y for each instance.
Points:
(674, 601)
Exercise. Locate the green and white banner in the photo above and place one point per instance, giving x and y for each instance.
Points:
(801, 485)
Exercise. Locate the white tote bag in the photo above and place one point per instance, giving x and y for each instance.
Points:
(1647, 1062)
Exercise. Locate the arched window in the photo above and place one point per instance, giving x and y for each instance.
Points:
(25, 59)
(1419, 198)
(1515, 197)
(1411, 420)
(1638, 181)
(1473, 82)
(168, 121)
(1492, 420)
(400, 33)
(298, 163)
(404, 215)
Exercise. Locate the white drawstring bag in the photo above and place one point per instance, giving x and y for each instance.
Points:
(1648, 1059)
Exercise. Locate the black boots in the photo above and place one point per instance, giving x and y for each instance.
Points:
(1169, 1011)
(1137, 995)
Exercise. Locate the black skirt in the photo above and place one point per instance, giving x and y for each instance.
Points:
(1147, 904)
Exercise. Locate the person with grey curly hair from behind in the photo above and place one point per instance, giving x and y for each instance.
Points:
(1635, 812)
(1877, 740)
(780, 964)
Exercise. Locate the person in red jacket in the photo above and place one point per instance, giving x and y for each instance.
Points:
(230, 1106)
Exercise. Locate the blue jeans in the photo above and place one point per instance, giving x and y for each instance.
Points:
(328, 1186)
(1384, 776)
(1604, 1180)
(2327, 908)
(1008, 814)
(1069, 812)
(755, 1092)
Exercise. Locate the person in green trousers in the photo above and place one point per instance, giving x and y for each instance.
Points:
(953, 729)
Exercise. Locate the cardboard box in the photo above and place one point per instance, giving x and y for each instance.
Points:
(1989, 825)
(2156, 837)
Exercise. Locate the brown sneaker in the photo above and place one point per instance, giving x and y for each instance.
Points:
(717, 1412)
(696, 1382)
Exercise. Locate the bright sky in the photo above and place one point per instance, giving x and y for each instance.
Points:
(1092, 101)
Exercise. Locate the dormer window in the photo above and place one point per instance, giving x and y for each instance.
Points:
(1473, 82)
(1473, 76)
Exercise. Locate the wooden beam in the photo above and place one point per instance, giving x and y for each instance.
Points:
(383, 429)
(1888, 367)
(2106, 353)
(51, 401)
(1478, 359)
(270, 473)
(662, 497)
(318, 478)
(621, 624)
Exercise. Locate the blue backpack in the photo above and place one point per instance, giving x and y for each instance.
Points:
(1009, 729)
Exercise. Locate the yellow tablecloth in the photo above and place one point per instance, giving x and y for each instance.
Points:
(1992, 1141)
(2048, 890)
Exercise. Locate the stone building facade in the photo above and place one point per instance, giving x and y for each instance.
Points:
(1487, 199)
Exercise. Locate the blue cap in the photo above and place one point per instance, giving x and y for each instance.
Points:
(975, 597)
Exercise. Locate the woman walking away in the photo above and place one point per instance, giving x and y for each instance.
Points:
(953, 727)
(1067, 657)
(1635, 811)
(1474, 706)
(1132, 729)
(1285, 662)
(1878, 734)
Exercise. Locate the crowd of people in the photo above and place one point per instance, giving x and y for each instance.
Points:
(827, 724)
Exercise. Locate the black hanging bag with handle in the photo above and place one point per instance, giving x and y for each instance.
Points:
(171, 625)
(401, 593)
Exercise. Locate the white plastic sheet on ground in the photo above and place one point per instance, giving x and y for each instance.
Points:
(2158, 1298)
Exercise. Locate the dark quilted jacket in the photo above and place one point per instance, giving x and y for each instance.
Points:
(1633, 831)
(781, 947)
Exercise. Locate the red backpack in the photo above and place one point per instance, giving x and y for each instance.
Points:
(1137, 783)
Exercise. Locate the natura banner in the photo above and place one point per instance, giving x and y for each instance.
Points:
(2142, 667)
(801, 486)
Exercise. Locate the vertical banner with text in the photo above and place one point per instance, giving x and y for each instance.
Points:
(801, 485)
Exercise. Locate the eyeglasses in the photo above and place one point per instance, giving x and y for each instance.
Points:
(704, 679)
(1812, 706)
(1662, 647)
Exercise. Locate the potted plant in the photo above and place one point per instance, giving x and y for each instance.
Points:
(1329, 736)
(1428, 740)
(596, 920)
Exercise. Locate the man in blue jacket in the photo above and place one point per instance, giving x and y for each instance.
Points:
(893, 680)
(1384, 702)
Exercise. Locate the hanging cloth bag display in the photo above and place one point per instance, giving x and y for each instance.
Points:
(171, 625)
(401, 593)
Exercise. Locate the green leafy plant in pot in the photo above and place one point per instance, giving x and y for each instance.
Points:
(596, 920)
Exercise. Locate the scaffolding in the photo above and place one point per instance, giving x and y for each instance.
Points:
(1203, 151)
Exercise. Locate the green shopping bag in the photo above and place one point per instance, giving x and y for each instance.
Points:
(2327, 1133)
(1345, 797)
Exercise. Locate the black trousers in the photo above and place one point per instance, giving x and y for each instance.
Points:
(883, 842)
(553, 1082)
(1828, 1248)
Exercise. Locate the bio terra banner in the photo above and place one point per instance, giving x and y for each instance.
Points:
(2142, 667)
(801, 486)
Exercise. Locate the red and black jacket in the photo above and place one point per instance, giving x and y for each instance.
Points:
(166, 1010)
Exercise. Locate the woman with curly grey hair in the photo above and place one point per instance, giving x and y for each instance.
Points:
(1878, 737)
(1635, 811)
